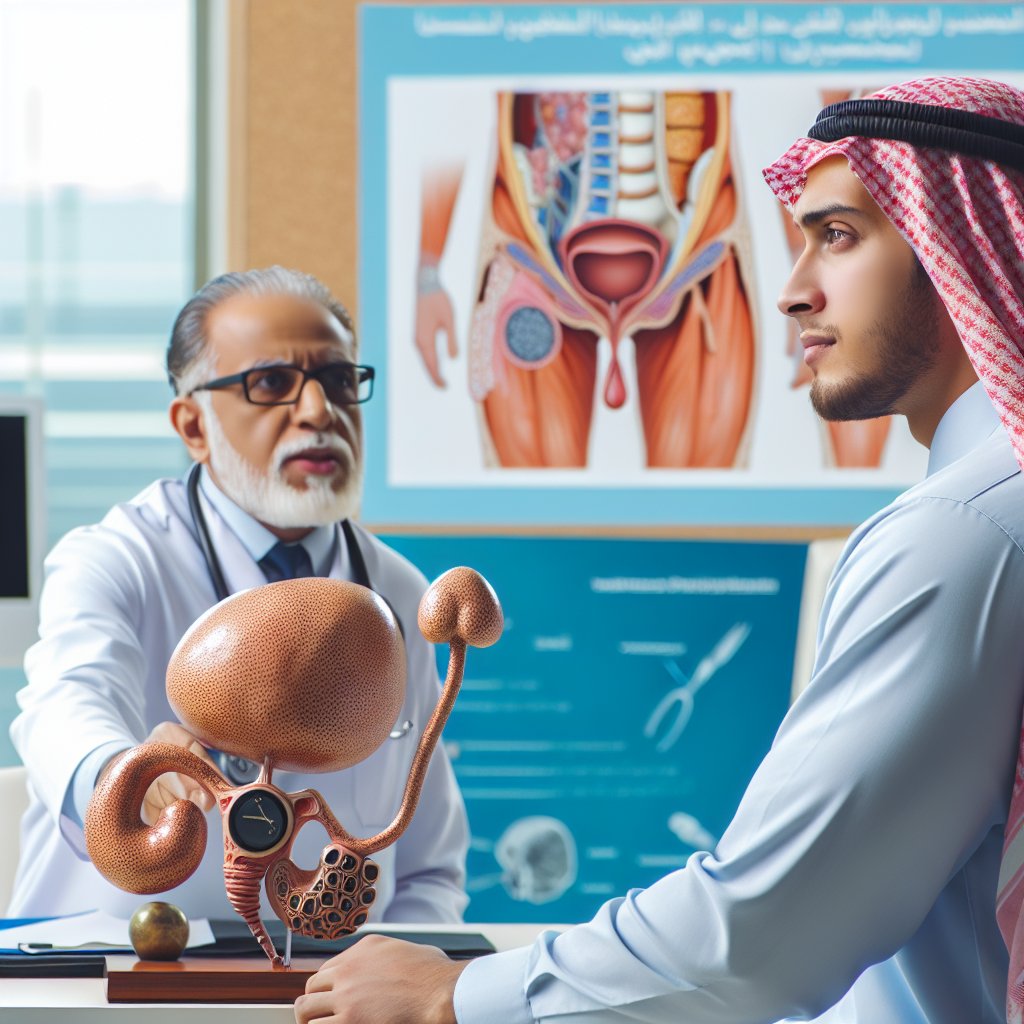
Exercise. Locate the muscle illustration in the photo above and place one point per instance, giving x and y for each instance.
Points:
(440, 190)
(728, 370)
(505, 216)
(668, 367)
(695, 376)
(851, 444)
(542, 417)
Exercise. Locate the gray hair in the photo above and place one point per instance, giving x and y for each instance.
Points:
(188, 356)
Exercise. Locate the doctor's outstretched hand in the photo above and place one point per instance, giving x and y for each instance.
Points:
(382, 981)
(172, 786)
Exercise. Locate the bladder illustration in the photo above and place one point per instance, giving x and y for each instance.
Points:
(609, 214)
(305, 675)
(721, 654)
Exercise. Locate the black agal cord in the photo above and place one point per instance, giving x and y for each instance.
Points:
(922, 124)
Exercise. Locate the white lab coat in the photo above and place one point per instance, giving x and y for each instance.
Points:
(117, 599)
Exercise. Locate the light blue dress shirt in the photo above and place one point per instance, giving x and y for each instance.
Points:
(857, 880)
(257, 540)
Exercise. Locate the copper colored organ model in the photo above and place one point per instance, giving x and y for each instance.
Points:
(306, 675)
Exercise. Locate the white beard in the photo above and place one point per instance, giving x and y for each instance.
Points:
(269, 498)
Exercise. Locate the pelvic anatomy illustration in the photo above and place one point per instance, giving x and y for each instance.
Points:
(305, 675)
(610, 215)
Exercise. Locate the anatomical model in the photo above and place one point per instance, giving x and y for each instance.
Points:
(849, 444)
(304, 675)
(616, 215)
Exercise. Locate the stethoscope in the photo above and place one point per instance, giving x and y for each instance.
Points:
(237, 769)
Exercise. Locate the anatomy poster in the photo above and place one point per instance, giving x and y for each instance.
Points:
(612, 730)
(571, 260)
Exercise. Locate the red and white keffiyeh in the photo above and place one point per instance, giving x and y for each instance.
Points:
(964, 217)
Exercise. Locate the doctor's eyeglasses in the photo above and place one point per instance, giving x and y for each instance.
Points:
(282, 384)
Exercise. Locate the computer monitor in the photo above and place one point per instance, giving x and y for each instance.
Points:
(22, 524)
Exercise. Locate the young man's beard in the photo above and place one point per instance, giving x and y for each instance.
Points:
(907, 340)
(269, 498)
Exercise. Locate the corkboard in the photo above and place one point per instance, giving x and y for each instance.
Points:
(293, 190)
(292, 163)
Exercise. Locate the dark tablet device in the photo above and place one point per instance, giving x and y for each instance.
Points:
(18, 965)
(233, 938)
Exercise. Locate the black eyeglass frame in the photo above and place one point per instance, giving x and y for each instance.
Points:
(364, 373)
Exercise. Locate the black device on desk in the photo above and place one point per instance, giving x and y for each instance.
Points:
(58, 965)
(22, 524)
(233, 938)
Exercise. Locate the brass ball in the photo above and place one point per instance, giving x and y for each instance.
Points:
(159, 931)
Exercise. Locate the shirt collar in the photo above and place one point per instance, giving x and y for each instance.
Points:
(257, 539)
(966, 423)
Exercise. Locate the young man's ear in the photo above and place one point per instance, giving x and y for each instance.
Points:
(188, 420)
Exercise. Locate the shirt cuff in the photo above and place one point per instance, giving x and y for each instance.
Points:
(492, 990)
(83, 782)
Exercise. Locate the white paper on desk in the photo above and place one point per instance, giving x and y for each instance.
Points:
(92, 929)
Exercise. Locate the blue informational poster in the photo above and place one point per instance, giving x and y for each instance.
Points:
(570, 260)
(612, 730)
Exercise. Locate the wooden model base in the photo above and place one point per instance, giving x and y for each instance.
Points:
(207, 980)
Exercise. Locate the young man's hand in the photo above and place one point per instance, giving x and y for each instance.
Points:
(380, 981)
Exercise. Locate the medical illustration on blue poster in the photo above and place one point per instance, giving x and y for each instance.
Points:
(610, 733)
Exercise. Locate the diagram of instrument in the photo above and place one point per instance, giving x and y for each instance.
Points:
(683, 695)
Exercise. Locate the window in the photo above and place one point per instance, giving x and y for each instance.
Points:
(96, 224)
(95, 236)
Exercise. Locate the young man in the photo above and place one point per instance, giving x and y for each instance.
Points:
(267, 404)
(858, 880)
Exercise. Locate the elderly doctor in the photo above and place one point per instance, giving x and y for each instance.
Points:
(268, 393)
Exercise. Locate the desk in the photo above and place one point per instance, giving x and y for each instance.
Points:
(84, 1000)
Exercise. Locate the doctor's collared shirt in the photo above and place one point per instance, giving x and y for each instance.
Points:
(117, 598)
(857, 880)
(258, 540)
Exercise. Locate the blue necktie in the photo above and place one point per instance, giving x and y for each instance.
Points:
(286, 562)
